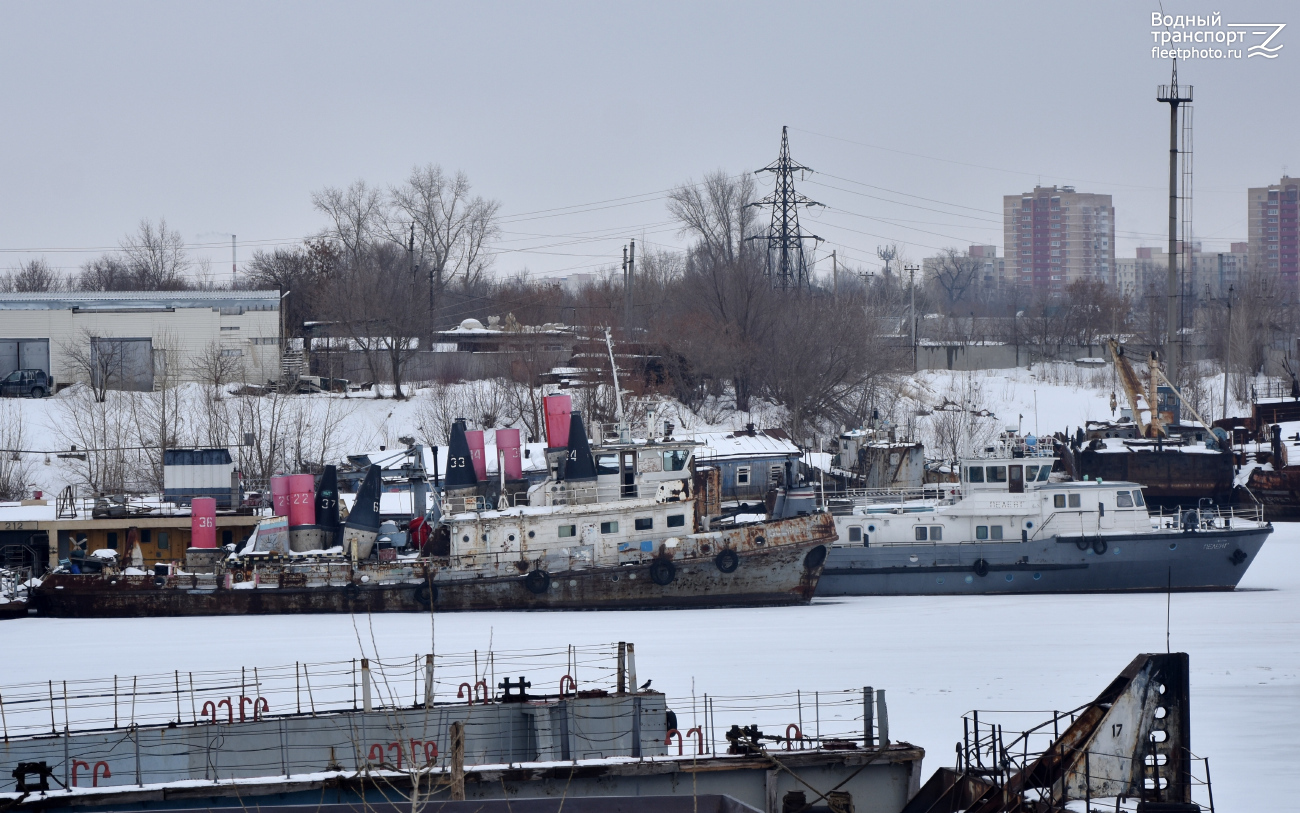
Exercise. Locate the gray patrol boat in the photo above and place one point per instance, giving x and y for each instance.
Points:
(1012, 526)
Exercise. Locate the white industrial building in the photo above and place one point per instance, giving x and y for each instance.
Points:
(133, 338)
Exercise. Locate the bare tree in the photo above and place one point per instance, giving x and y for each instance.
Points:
(954, 272)
(106, 273)
(95, 361)
(213, 367)
(16, 478)
(452, 226)
(356, 216)
(33, 276)
(155, 256)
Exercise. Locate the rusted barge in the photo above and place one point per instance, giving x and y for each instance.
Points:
(622, 527)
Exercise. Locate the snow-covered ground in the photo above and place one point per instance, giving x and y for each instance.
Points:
(936, 656)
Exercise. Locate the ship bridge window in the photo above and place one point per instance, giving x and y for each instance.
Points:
(676, 520)
(643, 523)
(1031, 474)
(1123, 499)
(1043, 473)
(975, 474)
(1137, 498)
(675, 460)
(996, 474)
(607, 464)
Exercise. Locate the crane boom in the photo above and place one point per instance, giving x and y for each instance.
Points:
(1131, 384)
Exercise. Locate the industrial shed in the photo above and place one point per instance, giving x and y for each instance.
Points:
(133, 338)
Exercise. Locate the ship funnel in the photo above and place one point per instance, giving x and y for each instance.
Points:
(460, 471)
(558, 409)
(362, 527)
(508, 450)
(474, 440)
(327, 498)
(304, 533)
(579, 465)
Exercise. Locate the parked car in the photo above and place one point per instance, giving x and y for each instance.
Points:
(25, 384)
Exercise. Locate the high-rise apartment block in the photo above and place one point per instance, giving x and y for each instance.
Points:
(1054, 236)
(1273, 229)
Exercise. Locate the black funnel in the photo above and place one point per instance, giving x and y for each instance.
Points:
(327, 499)
(579, 465)
(365, 511)
(460, 469)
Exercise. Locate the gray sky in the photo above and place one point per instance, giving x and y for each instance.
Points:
(223, 117)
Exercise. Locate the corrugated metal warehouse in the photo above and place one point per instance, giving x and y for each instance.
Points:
(137, 336)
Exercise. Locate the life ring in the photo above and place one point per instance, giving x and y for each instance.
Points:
(815, 557)
(426, 594)
(538, 582)
(1099, 546)
(727, 561)
(662, 572)
(981, 568)
(159, 581)
(1081, 543)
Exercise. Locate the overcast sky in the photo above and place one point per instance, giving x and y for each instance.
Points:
(224, 117)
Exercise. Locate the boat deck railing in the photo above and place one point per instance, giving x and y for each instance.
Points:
(552, 494)
(843, 502)
(1210, 518)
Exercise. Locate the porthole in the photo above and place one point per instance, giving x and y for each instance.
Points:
(970, 579)
(1173, 546)
(1011, 576)
(1117, 551)
(871, 528)
(939, 580)
(1029, 524)
(532, 534)
(512, 537)
(465, 538)
(1038, 576)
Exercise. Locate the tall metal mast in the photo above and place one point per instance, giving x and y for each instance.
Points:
(1172, 95)
(786, 264)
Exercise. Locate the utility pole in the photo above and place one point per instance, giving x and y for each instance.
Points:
(911, 288)
(1227, 356)
(787, 266)
(1173, 96)
(629, 280)
(234, 265)
(835, 274)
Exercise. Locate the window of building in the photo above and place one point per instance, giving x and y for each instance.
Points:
(643, 523)
(676, 520)
(232, 353)
(777, 474)
(568, 530)
(742, 475)
(1123, 499)
(1074, 501)
(230, 327)
(609, 527)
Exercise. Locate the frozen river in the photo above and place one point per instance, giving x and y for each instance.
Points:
(936, 656)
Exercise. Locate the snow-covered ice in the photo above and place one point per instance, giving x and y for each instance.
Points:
(937, 656)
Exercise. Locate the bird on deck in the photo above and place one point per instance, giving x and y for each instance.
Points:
(646, 685)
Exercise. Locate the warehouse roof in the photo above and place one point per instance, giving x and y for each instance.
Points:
(135, 300)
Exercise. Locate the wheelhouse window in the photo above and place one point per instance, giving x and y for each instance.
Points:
(1044, 472)
(610, 527)
(675, 460)
(676, 520)
(855, 533)
(607, 464)
(981, 532)
(1123, 499)
(921, 533)
(643, 523)
(1075, 500)
(1058, 500)
(995, 531)
(975, 474)
(1137, 498)
(996, 474)
(1031, 474)
(568, 530)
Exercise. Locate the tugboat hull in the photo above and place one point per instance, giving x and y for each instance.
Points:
(1198, 560)
(764, 573)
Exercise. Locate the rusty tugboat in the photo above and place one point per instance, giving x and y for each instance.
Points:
(633, 532)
